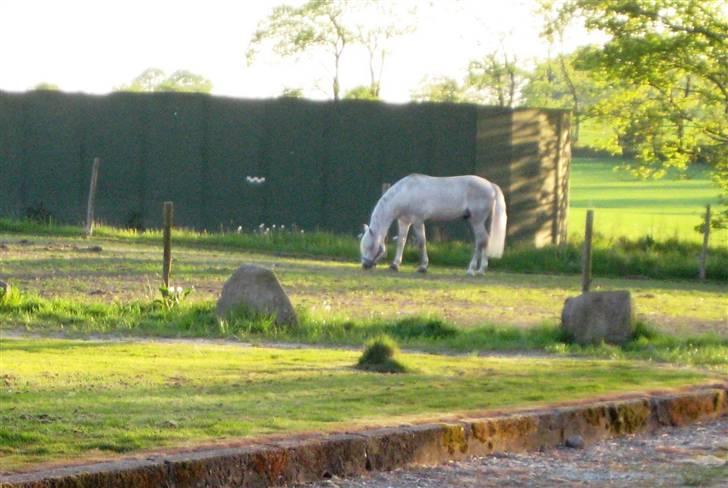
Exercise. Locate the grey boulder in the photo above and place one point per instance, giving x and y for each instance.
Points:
(598, 316)
(255, 289)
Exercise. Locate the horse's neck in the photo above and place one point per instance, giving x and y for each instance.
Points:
(382, 216)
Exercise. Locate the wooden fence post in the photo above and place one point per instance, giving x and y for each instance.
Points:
(90, 208)
(586, 259)
(168, 214)
(706, 236)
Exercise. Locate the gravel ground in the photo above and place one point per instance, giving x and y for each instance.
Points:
(696, 455)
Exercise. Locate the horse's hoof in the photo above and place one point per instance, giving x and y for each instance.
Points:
(394, 267)
(422, 269)
(470, 272)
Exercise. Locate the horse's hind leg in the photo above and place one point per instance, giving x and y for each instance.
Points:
(403, 230)
(483, 259)
(483, 264)
(419, 230)
(479, 262)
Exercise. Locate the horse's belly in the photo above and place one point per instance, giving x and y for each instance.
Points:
(444, 215)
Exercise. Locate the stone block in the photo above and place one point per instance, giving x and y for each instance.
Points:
(598, 316)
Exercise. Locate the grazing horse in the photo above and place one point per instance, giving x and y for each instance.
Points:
(417, 198)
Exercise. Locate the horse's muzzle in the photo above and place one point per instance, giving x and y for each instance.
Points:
(367, 264)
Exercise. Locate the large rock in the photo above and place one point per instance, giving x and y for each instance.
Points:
(598, 316)
(255, 289)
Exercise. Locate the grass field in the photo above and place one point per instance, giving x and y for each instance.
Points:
(63, 399)
(124, 272)
(626, 206)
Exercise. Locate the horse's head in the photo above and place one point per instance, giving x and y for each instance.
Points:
(372, 248)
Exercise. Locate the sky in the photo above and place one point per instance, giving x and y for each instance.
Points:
(98, 45)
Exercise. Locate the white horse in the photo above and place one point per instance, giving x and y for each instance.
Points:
(417, 198)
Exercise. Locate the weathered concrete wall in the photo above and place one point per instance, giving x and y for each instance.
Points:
(535, 180)
(316, 457)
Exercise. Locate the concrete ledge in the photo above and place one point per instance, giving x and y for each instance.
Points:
(307, 459)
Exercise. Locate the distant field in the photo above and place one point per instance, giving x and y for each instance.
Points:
(627, 206)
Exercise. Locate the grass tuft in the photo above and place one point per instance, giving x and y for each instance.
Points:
(380, 355)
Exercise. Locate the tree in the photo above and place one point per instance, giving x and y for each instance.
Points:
(489, 81)
(440, 90)
(557, 83)
(185, 81)
(293, 30)
(361, 93)
(670, 60)
(45, 86)
(333, 26)
(495, 79)
(156, 80)
(393, 19)
(289, 92)
(147, 81)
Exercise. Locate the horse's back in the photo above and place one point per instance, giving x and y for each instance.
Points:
(459, 184)
(444, 197)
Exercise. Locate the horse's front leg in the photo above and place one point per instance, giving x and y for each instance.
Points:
(419, 230)
(403, 229)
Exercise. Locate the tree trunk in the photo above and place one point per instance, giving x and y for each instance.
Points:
(574, 96)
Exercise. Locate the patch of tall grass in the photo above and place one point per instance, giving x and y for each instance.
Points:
(620, 257)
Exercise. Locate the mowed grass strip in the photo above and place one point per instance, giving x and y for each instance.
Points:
(63, 400)
(629, 207)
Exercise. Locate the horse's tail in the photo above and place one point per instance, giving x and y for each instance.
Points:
(497, 231)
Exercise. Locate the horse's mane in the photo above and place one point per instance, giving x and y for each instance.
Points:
(385, 199)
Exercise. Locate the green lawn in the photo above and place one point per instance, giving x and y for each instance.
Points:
(626, 206)
(65, 399)
(62, 399)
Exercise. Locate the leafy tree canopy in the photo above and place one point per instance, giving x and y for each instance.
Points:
(46, 86)
(332, 26)
(361, 93)
(667, 64)
(440, 90)
(156, 80)
(294, 30)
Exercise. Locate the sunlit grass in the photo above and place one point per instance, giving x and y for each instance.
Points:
(128, 274)
(629, 207)
(62, 399)
(34, 314)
